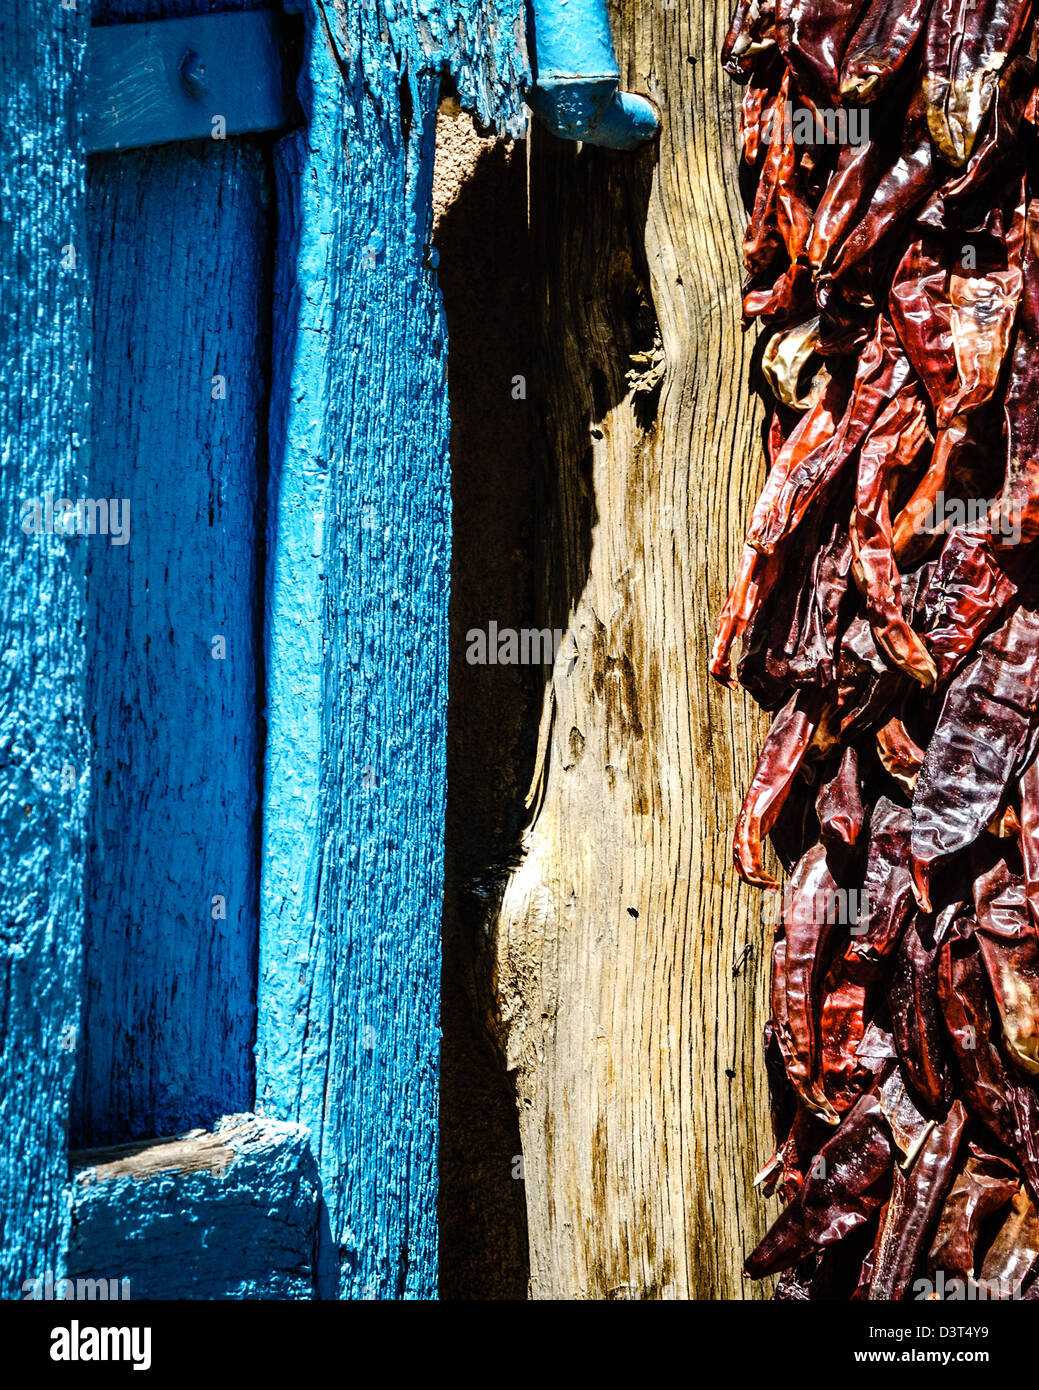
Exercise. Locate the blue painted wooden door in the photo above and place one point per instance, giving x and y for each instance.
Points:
(235, 750)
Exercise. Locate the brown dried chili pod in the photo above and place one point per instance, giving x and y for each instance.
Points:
(1009, 945)
(887, 885)
(850, 1181)
(916, 1019)
(917, 1198)
(1010, 1111)
(781, 756)
(966, 45)
(839, 803)
(895, 441)
(986, 1185)
(984, 739)
(1014, 1253)
(880, 47)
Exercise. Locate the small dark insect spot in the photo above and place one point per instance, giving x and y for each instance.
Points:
(632, 912)
(730, 1073)
(691, 59)
(596, 434)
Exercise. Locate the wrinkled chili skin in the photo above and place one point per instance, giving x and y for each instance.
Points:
(1010, 1111)
(781, 757)
(967, 591)
(887, 885)
(916, 1017)
(880, 46)
(966, 44)
(1019, 502)
(1009, 946)
(982, 741)
(916, 1200)
(854, 1180)
(986, 1184)
(839, 803)
(814, 44)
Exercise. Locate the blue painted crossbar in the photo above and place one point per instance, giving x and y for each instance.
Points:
(208, 76)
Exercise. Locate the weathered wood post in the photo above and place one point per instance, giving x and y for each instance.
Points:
(631, 973)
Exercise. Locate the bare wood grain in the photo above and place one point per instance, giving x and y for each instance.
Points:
(631, 968)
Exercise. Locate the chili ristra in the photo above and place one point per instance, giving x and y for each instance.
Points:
(886, 610)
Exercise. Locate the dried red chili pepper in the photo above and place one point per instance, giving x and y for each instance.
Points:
(1009, 1110)
(887, 884)
(987, 1184)
(966, 45)
(883, 369)
(880, 47)
(839, 803)
(808, 923)
(1009, 947)
(781, 756)
(813, 35)
(899, 192)
(813, 646)
(982, 742)
(1017, 517)
(1014, 1253)
(849, 1184)
(915, 1013)
(899, 754)
(842, 1027)
(917, 1196)
(751, 34)
(1029, 842)
(895, 440)
(968, 589)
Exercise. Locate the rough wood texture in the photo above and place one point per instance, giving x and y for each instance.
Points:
(179, 254)
(631, 968)
(357, 591)
(229, 1214)
(43, 752)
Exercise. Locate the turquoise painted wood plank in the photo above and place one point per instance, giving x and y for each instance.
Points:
(43, 752)
(180, 246)
(221, 1215)
(356, 649)
(177, 79)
